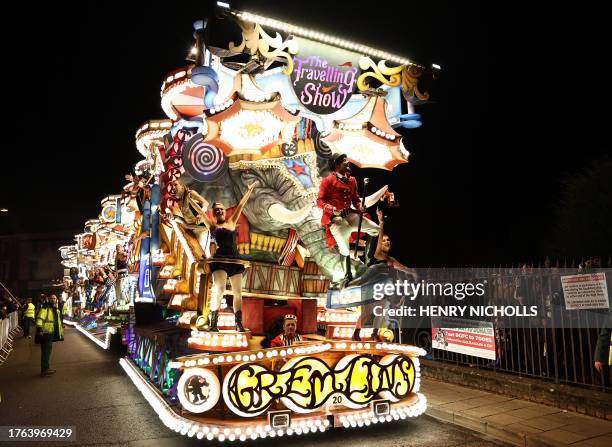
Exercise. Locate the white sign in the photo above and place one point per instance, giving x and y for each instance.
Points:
(585, 291)
(477, 338)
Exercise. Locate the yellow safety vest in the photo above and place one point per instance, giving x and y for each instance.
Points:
(29, 313)
(46, 320)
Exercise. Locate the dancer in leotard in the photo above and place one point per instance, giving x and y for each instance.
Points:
(224, 233)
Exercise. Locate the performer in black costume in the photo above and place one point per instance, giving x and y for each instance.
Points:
(224, 234)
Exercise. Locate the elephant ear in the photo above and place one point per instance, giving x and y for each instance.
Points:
(321, 147)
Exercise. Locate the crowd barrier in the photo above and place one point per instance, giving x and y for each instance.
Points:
(9, 328)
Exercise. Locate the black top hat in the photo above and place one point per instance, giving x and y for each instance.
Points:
(335, 159)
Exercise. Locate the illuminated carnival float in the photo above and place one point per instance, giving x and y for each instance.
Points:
(91, 284)
(268, 111)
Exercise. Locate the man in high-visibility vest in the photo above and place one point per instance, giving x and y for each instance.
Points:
(49, 328)
(28, 317)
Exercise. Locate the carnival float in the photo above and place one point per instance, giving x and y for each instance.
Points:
(250, 131)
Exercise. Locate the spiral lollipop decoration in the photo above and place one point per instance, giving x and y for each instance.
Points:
(202, 161)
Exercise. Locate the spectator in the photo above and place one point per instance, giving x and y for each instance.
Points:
(49, 329)
(28, 317)
(603, 353)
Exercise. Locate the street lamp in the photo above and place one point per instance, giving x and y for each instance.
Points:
(3, 210)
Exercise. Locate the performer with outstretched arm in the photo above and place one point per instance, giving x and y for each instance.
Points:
(223, 232)
(341, 206)
(383, 247)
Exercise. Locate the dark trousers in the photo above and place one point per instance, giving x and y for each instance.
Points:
(45, 354)
(27, 324)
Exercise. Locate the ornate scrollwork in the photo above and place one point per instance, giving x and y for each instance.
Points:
(405, 75)
(410, 80)
(390, 76)
(256, 40)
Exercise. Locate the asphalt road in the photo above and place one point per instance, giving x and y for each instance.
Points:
(91, 392)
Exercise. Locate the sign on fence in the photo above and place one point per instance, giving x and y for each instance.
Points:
(477, 338)
(585, 291)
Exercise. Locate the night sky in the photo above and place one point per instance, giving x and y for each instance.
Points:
(485, 180)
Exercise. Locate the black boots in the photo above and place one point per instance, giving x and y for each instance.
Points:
(238, 318)
(348, 274)
(214, 316)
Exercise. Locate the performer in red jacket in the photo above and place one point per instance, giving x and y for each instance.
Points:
(341, 206)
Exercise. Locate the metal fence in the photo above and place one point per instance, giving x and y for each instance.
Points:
(559, 347)
(9, 328)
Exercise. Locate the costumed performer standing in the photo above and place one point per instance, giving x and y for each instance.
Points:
(338, 191)
(121, 270)
(224, 236)
(381, 256)
(383, 247)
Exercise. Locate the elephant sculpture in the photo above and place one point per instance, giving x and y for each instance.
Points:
(284, 198)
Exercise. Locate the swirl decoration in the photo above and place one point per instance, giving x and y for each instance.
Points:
(203, 161)
(410, 80)
(321, 147)
(405, 75)
(256, 40)
(304, 384)
(390, 76)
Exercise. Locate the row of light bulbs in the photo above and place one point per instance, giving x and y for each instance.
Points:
(220, 340)
(221, 107)
(367, 418)
(178, 75)
(347, 332)
(337, 317)
(350, 126)
(269, 354)
(301, 350)
(321, 37)
(167, 96)
(382, 133)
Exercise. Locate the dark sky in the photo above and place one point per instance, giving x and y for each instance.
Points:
(484, 178)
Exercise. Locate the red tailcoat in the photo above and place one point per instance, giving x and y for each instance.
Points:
(335, 193)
